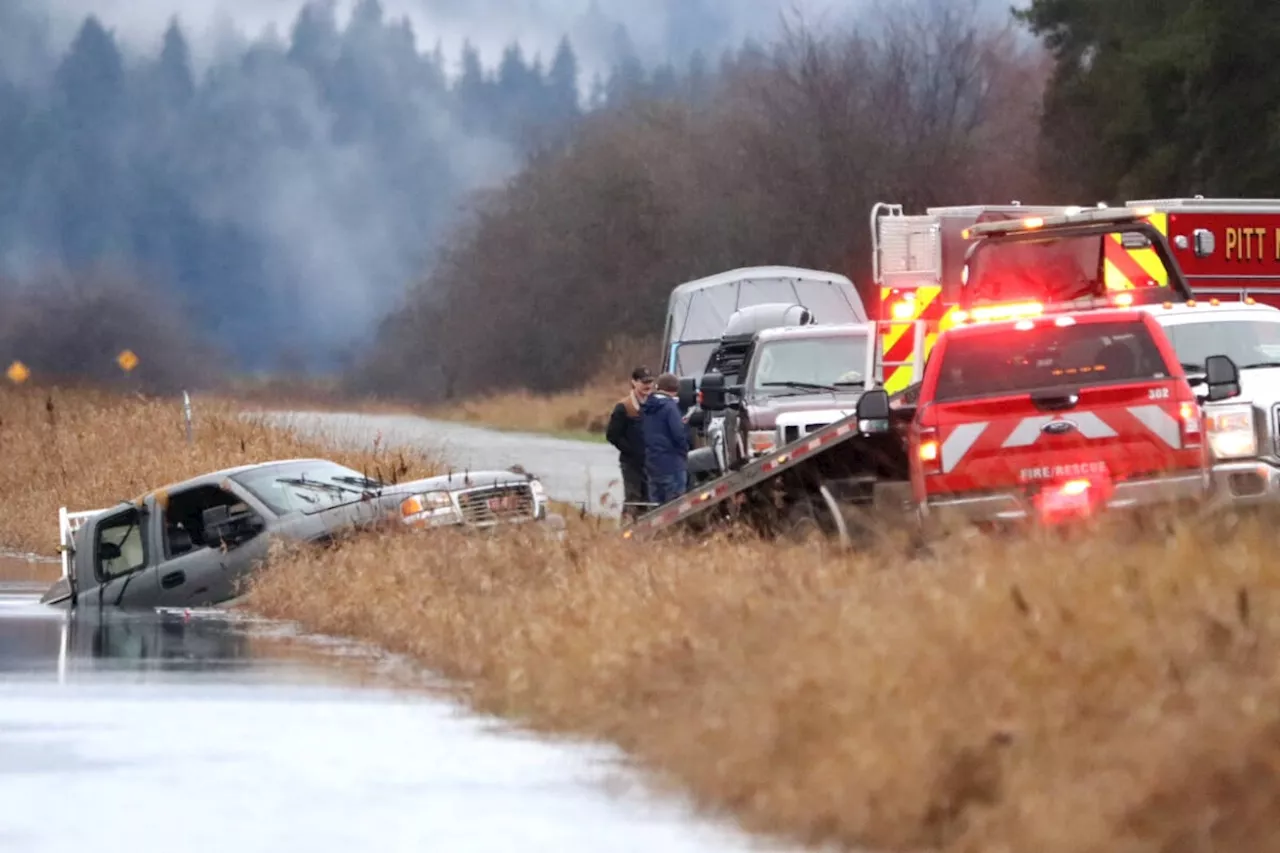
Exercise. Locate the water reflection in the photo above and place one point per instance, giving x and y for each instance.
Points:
(37, 640)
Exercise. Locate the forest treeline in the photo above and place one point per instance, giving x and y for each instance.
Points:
(779, 165)
(298, 192)
(273, 203)
(1110, 101)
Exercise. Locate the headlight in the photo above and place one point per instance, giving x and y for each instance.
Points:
(539, 493)
(428, 502)
(761, 441)
(1231, 433)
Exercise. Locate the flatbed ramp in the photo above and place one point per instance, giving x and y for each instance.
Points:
(803, 483)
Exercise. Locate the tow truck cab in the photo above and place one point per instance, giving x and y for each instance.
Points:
(1060, 415)
(791, 382)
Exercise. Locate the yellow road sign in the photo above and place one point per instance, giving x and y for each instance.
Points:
(127, 360)
(17, 373)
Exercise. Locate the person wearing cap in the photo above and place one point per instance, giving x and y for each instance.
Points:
(626, 433)
(666, 442)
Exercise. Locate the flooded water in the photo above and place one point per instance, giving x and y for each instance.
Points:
(204, 731)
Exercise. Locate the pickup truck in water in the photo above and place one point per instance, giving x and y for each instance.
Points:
(193, 544)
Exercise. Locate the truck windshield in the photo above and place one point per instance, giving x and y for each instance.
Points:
(1252, 342)
(794, 366)
(690, 357)
(1010, 361)
(306, 486)
(1061, 269)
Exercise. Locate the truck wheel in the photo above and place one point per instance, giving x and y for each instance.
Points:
(801, 522)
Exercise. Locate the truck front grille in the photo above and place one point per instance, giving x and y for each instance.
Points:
(792, 432)
(497, 504)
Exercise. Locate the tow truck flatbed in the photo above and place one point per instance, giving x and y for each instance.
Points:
(847, 456)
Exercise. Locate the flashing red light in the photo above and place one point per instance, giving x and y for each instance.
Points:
(995, 313)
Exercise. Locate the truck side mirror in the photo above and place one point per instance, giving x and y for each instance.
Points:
(873, 411)
(1222, 378)
(687, 396)
(713, 392)
(1202, 240)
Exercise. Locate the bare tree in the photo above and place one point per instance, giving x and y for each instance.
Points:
(781, 166)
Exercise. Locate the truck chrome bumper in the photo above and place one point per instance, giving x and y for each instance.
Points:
(1128, 494)
(1247, 482)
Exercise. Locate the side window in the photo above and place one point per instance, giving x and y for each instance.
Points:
(119, 545)
(189, 513)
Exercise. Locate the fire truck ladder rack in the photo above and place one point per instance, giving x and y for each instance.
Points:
(813, 451)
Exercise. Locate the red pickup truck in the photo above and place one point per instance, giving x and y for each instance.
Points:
(1052, 417)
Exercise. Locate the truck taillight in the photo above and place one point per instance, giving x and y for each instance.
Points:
(1189, 416)
(930, 451)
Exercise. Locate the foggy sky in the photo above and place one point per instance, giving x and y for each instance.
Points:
(341, 235)
(660, 29)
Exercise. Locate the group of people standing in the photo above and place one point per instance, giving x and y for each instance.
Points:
(652, 441)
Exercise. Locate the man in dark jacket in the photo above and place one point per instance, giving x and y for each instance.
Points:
(666, 442)
(626, 433)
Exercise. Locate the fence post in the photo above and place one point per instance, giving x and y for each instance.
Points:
(186, 414)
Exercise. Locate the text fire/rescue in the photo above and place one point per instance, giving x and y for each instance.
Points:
(1053, 472)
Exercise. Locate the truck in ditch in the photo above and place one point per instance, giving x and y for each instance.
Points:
(195, 543)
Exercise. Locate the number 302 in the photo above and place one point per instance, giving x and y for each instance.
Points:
(1158, 394)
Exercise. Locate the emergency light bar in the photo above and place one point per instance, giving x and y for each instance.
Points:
(1026, 310)
(1074, 216)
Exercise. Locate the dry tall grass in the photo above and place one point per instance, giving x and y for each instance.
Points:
(1104, 694)
(578, 413)
(85, 449)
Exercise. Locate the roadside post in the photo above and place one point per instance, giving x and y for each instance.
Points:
(186, 415)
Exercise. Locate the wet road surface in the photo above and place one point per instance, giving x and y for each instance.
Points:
(154, 731)
(579, 472)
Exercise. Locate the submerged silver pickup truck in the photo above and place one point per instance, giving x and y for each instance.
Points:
(1243, 432)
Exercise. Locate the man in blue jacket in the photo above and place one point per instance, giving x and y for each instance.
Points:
(666, 442)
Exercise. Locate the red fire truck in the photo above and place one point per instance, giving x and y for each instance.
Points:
(1228, 248)
(932, 267)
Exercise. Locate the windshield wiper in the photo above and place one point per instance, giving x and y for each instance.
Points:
(1260, 364)
(367, 482)
(318, 484)
(808, 386)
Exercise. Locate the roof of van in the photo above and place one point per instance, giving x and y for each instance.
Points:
(748, 273)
